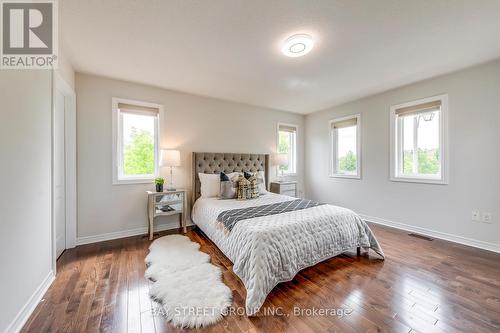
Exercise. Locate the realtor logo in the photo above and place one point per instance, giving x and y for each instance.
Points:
(29, 34)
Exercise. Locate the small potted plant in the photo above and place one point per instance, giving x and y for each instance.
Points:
(159, 184)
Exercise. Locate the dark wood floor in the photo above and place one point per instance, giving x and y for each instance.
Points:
(425, 286)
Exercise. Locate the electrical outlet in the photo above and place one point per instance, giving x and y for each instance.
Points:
(487, 217)
(476, 216)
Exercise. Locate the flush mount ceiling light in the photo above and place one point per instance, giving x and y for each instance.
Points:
(297, 45)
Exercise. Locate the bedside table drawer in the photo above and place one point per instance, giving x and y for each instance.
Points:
(169, 197)
(285, 188)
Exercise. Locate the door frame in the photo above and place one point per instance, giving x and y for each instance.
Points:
(59, 84)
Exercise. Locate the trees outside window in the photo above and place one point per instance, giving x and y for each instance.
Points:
(345, 147)
(139, 157)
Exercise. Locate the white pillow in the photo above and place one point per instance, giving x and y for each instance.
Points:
(261, 182)
(210, 183)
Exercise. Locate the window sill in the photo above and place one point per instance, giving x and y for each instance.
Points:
(338, 175)
(420, 180)
(133, 181)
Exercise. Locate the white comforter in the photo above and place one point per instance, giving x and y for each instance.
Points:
(272, 249)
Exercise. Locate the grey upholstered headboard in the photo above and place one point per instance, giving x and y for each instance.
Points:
(226, 162)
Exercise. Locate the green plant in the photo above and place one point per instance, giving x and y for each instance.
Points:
(159, 181)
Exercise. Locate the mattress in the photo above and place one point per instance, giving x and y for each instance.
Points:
(271, 249)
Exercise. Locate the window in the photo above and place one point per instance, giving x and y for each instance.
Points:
(345, 147)
(418, 141)
(135, 141)
(287, 144)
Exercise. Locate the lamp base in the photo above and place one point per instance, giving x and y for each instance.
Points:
(170, 187)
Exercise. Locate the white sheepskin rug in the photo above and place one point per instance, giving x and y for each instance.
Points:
(189, 288)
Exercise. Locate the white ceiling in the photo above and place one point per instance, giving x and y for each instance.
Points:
(230, 49)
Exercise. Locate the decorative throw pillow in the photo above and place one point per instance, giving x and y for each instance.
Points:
(228, 185)
(247, 188)
(261, 180)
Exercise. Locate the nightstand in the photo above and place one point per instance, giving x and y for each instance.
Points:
(285, 188)
(165, 204)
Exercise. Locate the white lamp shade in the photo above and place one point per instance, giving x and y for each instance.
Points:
(170, 158)
(281, 159)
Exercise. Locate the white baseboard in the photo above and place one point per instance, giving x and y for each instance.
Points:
(22, 316)
(126, 233)
(435, 234)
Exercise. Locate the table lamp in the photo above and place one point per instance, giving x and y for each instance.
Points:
(281, 159)
(170, 158)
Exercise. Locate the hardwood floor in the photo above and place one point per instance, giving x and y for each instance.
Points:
(424, 286)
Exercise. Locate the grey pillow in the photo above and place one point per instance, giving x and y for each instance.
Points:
(228, 186)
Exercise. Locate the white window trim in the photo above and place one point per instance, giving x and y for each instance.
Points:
(117, 153)
(333, 147)
(294, 153)
(443, 143)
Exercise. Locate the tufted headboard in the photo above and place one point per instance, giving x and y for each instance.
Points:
(226, 162)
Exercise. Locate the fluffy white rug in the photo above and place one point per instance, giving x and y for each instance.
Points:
(189, 288)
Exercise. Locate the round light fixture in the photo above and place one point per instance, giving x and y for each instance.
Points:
(297, 45)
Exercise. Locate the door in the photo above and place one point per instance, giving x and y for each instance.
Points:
(59, 174)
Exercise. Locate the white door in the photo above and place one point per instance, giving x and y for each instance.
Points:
(59, 175)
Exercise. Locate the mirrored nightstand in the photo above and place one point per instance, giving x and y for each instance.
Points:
(166, 204)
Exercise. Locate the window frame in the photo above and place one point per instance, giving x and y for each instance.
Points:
(117, 144)
(396, 137)
(294, 159)
(334, 147)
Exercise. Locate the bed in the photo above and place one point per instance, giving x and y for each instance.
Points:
(267, 250)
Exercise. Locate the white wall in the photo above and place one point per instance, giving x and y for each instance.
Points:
(191, 123)
(474, 118)
(25, 190)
